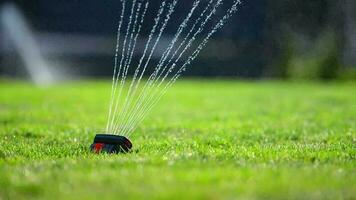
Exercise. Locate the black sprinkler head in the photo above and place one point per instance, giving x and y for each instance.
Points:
(110, 144)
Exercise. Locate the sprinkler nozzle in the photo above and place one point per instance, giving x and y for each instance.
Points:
(110, 144)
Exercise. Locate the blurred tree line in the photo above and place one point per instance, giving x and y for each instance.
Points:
(311, 39)
(290, 39)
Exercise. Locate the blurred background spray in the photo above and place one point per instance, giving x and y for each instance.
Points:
(47, 41)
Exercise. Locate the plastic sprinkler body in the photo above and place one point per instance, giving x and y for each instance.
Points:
(105, 143)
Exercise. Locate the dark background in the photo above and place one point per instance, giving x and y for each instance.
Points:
(274, 39)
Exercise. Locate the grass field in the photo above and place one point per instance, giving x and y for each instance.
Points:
(205, 140)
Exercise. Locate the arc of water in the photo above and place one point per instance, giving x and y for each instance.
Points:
(201, 28)
(157, 88)
(128, 53)
(190, 42)
(218, 26)
(114, 79)
(123, 78)
(149, 83)
(142, 99)
(133, 39)
(184, 40)
(153, 30)
(137, 33)
(164, 56)
(168, 17)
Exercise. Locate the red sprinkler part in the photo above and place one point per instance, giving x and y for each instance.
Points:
(110, 144)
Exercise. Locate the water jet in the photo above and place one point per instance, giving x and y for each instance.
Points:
(130, 103)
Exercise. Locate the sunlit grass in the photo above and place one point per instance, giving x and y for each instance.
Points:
(206, 139)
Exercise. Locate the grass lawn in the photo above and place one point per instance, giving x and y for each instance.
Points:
(205, 140)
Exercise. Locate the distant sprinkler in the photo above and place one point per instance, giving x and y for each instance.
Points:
(19, 32)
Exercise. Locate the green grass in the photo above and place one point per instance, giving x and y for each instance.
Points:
(205, 140)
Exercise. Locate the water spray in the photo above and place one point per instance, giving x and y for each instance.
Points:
(129, 107)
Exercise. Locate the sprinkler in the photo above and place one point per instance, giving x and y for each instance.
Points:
(128, 109)
(110, 144)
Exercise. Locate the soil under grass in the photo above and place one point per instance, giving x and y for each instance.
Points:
(206, 140)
